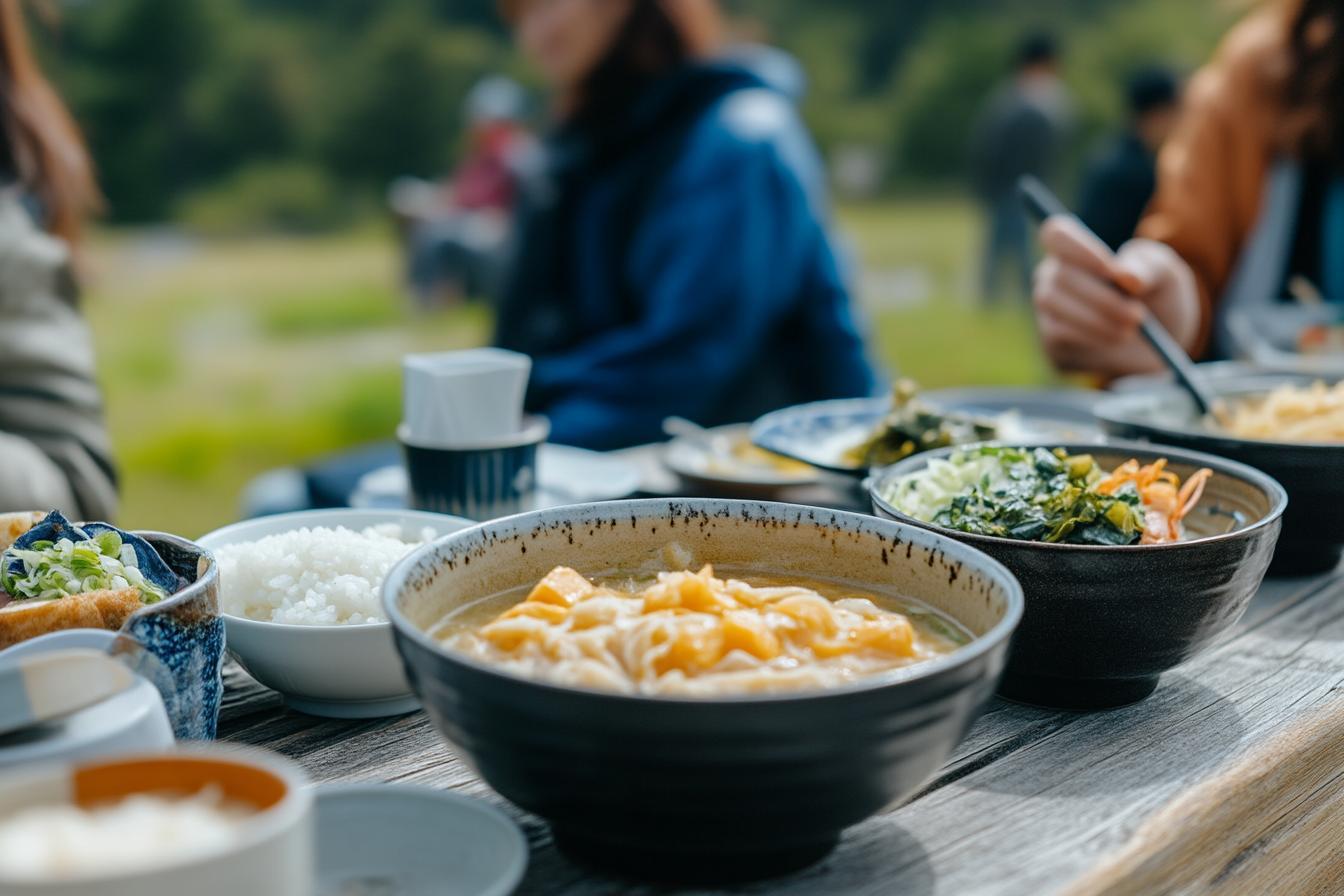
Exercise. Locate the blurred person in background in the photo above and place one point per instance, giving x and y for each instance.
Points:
(456, 231)
(54, 450)
(1119, 180)
(1250, 198)
(1019, 131)
(674, 257)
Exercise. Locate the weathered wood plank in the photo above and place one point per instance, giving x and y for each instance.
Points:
(1272, 823)
(1032, 800)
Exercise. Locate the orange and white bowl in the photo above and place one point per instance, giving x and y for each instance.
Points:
(261, 846)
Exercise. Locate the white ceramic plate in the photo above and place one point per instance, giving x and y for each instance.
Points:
(391, 840)
(340, 671)
(821, 432)
(695, 462)
(129, 722)
(565, 475)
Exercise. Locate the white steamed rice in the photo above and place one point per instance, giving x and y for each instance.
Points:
(316, 576)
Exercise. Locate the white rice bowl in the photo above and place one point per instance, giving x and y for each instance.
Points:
(312, 576)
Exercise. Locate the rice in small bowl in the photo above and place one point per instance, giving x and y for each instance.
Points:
(317, 575)
(298, 590)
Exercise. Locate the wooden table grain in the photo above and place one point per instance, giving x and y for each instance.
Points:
(1229, 779)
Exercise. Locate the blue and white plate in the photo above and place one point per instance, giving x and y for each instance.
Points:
(821, 432)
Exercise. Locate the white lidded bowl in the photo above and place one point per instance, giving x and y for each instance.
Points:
(340, 671)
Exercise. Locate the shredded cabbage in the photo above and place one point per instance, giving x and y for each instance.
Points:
(926, 493)
(51, 570)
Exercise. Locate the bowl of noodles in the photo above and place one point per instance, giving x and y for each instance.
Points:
(701, 689)
(1290, 426)
(1132, 557)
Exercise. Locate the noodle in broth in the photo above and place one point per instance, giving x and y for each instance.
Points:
(697, 634)
(1313, 413)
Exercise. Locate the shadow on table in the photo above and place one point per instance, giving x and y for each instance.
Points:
(1184, 730)
(869, 854)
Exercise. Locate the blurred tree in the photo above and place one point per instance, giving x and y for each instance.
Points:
(397, 108)
(188, 96)
(248, 106)
(127, 68)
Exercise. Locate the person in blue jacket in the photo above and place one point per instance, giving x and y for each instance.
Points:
(673, 254)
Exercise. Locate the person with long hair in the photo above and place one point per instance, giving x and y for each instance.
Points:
(54, 450)
(673, 252)
(1249, 208)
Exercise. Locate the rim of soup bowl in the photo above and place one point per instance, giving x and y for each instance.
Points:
(1277, 495)
(997, 635)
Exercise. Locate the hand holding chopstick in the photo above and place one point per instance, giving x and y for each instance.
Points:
(1093, 275)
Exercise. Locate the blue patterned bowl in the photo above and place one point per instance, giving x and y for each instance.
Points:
(178, 643)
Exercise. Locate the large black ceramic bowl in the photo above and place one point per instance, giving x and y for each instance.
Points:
(1313, 474)
(1103, 623)
(683, 788)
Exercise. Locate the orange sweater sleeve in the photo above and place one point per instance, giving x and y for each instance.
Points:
(1211, 172)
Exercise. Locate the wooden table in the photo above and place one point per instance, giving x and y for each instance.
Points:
(1229, 780)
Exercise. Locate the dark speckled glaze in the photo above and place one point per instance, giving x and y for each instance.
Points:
(1103, 623)
(1312, 474)
(707, 789)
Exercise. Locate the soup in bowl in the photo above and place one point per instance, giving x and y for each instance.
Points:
(701, 688)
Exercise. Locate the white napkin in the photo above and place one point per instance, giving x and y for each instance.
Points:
(463, 398)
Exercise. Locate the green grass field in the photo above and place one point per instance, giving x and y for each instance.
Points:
(221, 360)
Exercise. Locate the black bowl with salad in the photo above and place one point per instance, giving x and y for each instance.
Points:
(1132, 556)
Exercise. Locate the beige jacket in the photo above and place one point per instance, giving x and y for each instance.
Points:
(54, 449)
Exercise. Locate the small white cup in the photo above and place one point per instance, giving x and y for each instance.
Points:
(274, 854)
(463, 398)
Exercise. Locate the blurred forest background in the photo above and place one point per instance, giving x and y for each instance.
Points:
(245, 287)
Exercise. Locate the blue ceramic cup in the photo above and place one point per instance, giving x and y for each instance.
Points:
(478, 481)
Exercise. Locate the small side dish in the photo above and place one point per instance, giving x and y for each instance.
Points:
(694, 633)
(57, 575)
(312, 576)
(1038, 494)
(911, 427)
(1133, 557)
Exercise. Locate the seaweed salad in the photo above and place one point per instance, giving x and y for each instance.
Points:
(1040, 494)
